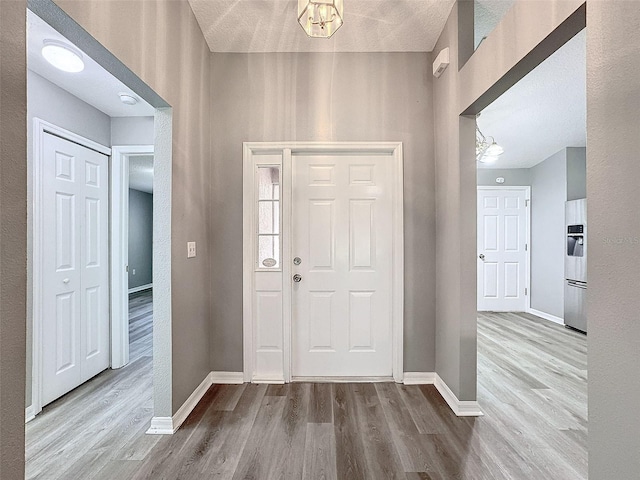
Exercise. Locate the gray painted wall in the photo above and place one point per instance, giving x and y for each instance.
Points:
(140, 238)
(132, 131)
(456, 245)
(576, 173)
(513, 177)
(178, 70)
(548, 196)
(613, 179)
(55, 105)
(335, 97)
(521, 41)
(13, 236)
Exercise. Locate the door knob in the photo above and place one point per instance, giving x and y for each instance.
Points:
(297, 278)
(481, 256)
(66, 280)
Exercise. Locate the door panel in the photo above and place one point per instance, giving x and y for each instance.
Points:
(75, 322)
(502, 255)
(341, 315)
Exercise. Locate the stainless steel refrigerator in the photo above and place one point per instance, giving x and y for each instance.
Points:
(575, 265)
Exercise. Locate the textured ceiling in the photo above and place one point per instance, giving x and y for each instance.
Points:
(544, 112)
(94, 85)
(369, 26)
(141, 173)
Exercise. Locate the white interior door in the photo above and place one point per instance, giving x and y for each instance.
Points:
(342, 234)
(502, 249)
(75, 274)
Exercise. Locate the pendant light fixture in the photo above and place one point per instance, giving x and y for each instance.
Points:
(486, 151)
(320, 18)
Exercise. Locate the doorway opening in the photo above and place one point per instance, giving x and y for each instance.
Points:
(85, 352)
(528, 361)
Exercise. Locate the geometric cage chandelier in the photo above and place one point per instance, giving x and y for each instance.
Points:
(320, 18)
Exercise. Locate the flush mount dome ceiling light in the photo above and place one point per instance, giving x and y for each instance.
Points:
(128, 99)
(486, 152)
(320, 18)
(63, 56)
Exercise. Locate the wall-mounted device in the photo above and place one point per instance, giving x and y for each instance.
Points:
(441, 63)
(575, 240)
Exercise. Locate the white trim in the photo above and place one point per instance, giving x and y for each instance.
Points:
(227, 378)
(141, 288)
(119, 243)
(394, 149)
(248, 198)
(419, 378)
(29, 414)
(343, 379)
(161, 426)
(40, 127)
(286, 193)
(546, 316)
(527, 196)
(170, 425)
(462, 408)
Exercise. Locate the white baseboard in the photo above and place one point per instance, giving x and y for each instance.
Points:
(161, 426)
(462, 408)
(419, 378)
(148, 286)
(29, 413)
(546, 316)
(169, 425)
(227, 378)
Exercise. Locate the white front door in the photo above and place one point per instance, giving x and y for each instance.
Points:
(75, 273)
(502, 249)
(342, 234)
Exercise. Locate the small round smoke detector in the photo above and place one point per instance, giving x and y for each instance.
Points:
(128, 99)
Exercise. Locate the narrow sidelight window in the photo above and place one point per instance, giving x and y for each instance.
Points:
(269, 217)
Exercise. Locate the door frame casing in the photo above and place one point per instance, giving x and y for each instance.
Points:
(288, 150)
(40, 128)
(119, 242)
(527, 274)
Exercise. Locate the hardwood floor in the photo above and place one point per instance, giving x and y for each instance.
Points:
(532, 389)
(140, 325)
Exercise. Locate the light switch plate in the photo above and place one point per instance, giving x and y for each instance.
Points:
(191, 249)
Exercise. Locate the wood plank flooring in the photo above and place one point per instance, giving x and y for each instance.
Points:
(532, 389)
(140, 325)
